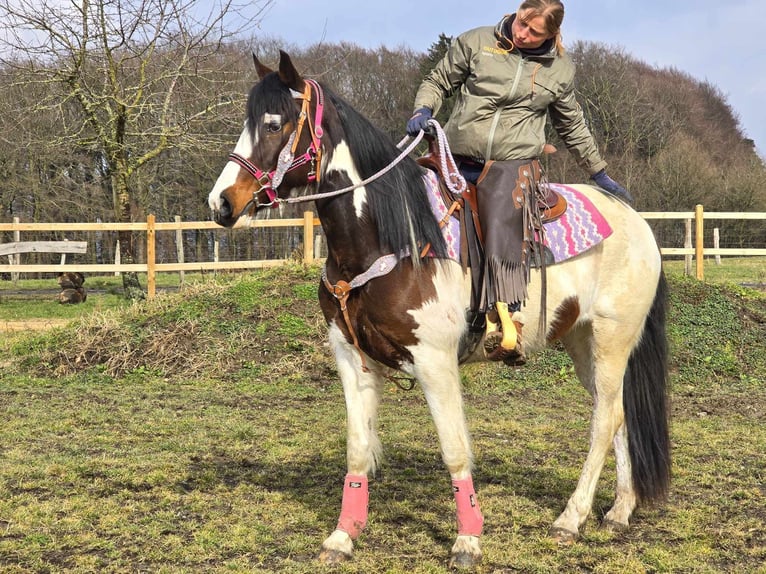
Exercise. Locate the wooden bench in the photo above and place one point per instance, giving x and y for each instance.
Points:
(15, 248)
(63, 247)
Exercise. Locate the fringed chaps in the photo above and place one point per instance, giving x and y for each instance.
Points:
(506, 192)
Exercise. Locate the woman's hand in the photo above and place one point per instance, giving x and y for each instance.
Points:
(608, 184)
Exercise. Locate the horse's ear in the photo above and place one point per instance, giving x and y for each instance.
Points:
(288, 74)
(260, 68)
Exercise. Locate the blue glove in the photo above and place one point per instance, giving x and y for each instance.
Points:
(418, 121)
(607, 183)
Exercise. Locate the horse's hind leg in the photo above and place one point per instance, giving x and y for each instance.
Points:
(361, 391)
(625, 500)
(603, 379)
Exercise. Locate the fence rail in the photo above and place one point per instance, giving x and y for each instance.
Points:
(693, 220)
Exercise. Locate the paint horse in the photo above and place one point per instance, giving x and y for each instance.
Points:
(386, 307)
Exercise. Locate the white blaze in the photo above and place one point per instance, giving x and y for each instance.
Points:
(228, 176)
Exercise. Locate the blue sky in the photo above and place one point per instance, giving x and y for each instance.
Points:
(717, 41)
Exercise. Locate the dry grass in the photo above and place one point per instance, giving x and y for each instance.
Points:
(214, 329)
(26, 325)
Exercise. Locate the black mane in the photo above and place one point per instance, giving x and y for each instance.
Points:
(397, 201)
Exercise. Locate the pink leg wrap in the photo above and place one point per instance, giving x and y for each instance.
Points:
(469, 518)
(353, 510)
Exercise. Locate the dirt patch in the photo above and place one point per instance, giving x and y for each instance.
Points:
(31, 325)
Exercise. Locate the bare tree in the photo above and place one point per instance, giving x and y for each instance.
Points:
(121, 65)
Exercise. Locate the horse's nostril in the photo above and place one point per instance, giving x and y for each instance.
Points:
(224, 210)
(221, 210)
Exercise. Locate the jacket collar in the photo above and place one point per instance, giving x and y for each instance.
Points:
(503, 35)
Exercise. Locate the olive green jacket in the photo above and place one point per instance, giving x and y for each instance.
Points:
(502, 100)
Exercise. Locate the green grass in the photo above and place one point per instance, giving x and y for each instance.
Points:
(19, 301)
(17, 309)
(109, 282)
(15, 306)
(205, 432)
(732, 270)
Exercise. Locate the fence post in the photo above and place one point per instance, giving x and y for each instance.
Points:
(180, 248)
(216, 253)
(717, 244)
(688, 245)
(63, 255)
(16, 258)
(308, 237)
(151, 270)
(699, 241)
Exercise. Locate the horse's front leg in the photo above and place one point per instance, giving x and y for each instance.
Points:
(361, 390)
(438, 374)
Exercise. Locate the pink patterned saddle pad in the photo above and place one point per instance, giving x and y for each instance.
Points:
(580, 227)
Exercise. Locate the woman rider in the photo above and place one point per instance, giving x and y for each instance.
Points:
(507, 80)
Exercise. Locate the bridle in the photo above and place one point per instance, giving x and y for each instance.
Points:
(270, 180)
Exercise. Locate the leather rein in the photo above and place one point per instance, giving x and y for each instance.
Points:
(270, 180)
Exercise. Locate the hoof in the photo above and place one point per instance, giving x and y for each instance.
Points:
(464, 561)
(516, 358)
(331, 557)
(613, 526)
(563, 536)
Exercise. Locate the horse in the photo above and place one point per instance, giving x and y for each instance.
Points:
(388, 307)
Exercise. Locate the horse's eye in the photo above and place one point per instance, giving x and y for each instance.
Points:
(273, 123)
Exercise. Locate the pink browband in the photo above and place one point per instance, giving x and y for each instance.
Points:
(312, 155)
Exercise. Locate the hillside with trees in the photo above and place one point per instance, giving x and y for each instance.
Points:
(112, 115)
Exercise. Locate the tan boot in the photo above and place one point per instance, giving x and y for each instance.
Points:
(504, 344)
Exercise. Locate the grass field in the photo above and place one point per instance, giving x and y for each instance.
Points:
(205, 432)
(747, 270)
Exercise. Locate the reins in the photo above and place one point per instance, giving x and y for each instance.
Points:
(270, 180)
(455, 181)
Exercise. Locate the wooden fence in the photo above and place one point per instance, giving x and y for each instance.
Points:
(696, 249)
(150, 266)
(694, 220)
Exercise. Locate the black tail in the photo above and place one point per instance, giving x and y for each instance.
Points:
(646, 404)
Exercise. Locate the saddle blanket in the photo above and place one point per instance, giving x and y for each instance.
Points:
(580, 228)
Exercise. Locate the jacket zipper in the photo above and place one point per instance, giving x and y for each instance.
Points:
(496, 116)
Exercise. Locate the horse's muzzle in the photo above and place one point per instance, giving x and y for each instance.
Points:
(222, 213)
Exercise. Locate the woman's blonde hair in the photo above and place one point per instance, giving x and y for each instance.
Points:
(553, 13)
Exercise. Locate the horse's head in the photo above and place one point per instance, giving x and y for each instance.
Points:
(279, 147)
